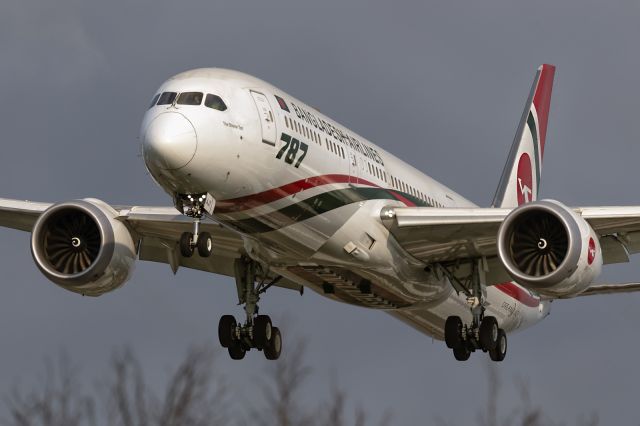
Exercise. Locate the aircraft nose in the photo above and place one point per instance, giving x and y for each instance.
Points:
(170, 141)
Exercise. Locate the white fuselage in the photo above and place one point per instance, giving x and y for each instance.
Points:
(306, 193)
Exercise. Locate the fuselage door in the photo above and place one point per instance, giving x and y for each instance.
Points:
(353, 166)
(267, 119)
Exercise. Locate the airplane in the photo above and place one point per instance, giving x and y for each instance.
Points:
(271, 192)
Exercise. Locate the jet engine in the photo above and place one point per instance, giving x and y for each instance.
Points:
(547, 247)
(82, 247)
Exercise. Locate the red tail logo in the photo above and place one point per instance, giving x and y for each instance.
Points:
(524, 188)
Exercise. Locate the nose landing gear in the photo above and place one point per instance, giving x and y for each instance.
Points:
(257, 332)
(196, 240)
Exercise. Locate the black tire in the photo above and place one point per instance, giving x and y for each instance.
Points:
(226, 330)
(453, 332)
(461, 353)
(488, 333)
(205, 244)
(185, 244)
(236, 351)
(500, 352)
(262, 331)
(274, 348)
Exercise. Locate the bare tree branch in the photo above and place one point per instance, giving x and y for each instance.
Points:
(57, 401)
(126, 380)
(286, 378)
(194, 397)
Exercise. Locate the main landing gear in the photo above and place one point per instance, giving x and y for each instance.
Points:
(483, 333)
(196, 240)
(257, 331)
(464, 339)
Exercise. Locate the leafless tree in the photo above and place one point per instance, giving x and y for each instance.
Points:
(56, 400)
(334, 411)
(525, 413)
(282, 388)
(194, 396)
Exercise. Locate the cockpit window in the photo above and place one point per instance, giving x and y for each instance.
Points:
(215, 102)
(190, 98)
(154, 100)
(167, 98)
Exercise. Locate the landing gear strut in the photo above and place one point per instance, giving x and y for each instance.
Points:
(257, 332)
(483, 333)
(196, 240)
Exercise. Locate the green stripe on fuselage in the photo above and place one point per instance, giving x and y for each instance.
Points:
(314, 206)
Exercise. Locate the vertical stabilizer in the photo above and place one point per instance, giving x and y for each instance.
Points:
(521, 175)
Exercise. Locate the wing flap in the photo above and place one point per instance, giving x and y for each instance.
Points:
(613, 250)
(442, 234)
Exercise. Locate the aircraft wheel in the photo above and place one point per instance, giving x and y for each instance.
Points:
(461, 353)
(226, 329)
(262, 331)
(186, 249)
(236, 351)
(488, 333)
(500, 351)
(274, 347)
(453, 332)
(205, 244)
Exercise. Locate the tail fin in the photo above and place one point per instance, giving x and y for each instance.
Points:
(521, 175)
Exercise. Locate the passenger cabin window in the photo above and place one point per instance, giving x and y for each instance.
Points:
(154, 100)
(214, 102)
(167, 98)
(190, 98)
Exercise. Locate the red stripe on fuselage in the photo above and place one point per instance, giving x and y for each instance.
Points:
(521, 295)
(250, 201)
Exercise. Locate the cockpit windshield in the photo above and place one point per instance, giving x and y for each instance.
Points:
(190, 98)
(215, 102)
(154, 100)
(167, 98)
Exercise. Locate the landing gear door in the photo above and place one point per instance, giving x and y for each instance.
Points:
(267, 118)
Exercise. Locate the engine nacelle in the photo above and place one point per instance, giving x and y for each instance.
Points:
(547, 247)
(80, 246)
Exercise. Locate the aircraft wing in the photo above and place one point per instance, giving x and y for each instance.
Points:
(441, 235)
(158, 231)
(18, 214)
(451, 234)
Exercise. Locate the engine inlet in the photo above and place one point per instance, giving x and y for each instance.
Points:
(71, 241)
(538, 243)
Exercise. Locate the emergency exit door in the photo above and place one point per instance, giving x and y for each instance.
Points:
(267, 119)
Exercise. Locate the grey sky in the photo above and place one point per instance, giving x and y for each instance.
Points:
(441, 85)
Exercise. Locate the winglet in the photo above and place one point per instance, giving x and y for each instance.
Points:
(521, 175)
